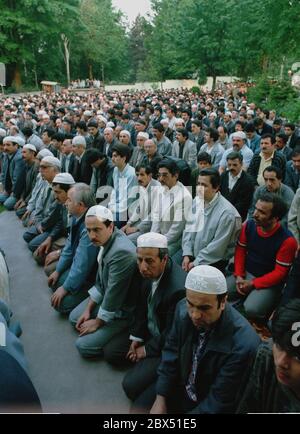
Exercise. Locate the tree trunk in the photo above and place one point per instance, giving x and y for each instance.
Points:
(17, 79)
(66, 43)
(90, 71)
(36, 78)
(102, 75)
(214, 82)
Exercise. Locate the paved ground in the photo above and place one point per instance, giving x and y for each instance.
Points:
(65, 382)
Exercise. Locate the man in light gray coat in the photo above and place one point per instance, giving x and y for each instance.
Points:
(212, 239)
(108, 310)
(185, 148)
(171, 207)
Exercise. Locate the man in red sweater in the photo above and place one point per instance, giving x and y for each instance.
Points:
(263, 257)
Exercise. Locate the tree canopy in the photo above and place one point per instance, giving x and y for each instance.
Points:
(182, 39)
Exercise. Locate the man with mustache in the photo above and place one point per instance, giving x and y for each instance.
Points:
(263, 258)
(267, 157)
(236, 185)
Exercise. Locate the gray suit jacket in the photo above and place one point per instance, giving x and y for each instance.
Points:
(113, 288)
(189, 152)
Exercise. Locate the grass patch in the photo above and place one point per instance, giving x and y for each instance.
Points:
(2, 208)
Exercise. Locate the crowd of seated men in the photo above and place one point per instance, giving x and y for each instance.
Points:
(168, 227)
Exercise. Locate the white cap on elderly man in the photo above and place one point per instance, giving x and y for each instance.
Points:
(15, 139)
(2, 132)
(142, 134)
(44, 153)
(52, 161)
(30, 147)
(64, 178)
(152, 240)
(239, 135)
(206, 280)
(101, 213)
(127, 133)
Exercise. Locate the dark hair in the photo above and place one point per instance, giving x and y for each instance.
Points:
(147, 167)
(27, 131)
(187, 111)
(60, 137)
(141, 121)
(282, 136)
(275, 169)
(158, 107)
(122, 150)
(162, 253)
(93, 155)
(81, 125)
(197, 122)
(234, 156)
(204, 156)
(296, 152)
(170, 165)
(257, 122)
(184, 132)
(267, 136)
(242, 124)
(50, 131)
(213, 133)
(277, 121)
(290, 125)
(282, 323)
(126, 116)
(249, 127)
(92, 124)
(159, 127)
(279, 209)
(214, 176)
(221, 298)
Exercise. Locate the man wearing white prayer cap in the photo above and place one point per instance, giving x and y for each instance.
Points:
(109, 308)
(13, 172)
(206, 352)
(239, 144)
(40, 184)
(138, 153)
(32, 169)
(45, 222)
(162, 286)
(61, 184)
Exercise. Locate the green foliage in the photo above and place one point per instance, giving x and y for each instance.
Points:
(243, 38)
(196, 89)
(280, 95)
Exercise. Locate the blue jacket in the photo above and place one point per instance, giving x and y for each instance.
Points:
(230, 345)
(17, 171)
(80, 256)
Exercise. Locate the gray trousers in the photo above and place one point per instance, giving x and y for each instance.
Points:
(259, 304)
(92, 345)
